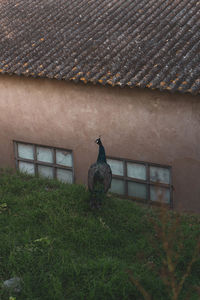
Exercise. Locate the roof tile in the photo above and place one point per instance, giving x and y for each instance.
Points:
(144, 43)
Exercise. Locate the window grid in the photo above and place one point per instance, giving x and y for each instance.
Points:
(37, 163)
(147, 182)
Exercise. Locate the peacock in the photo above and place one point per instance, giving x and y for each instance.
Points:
(99, 177)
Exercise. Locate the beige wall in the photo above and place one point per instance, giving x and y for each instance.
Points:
(138, 124)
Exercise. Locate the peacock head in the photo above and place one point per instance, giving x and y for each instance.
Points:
(98, 141)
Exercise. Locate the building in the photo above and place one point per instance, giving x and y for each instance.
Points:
(126, 70)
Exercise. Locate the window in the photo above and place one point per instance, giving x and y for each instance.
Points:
(141, 180)
(45, 161)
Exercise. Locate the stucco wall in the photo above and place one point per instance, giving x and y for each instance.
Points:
(138, 124)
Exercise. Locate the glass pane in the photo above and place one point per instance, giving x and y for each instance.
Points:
(26, 168)
(45, 154)
(158, 174)
(64, 158)
(65, 175)
(25, 151)
(137, 190)
(159, 194)
(116, 167)
(45, 171)
(117, 186)
(136, 171)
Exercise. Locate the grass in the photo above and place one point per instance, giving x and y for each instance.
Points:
(61, 249)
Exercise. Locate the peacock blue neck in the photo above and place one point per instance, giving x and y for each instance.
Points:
(102, 155)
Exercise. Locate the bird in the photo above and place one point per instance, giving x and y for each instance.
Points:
(99, 177)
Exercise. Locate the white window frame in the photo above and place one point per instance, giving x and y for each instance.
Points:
(147, 182)
(37, 163)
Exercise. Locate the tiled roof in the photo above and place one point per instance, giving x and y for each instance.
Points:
(145, 43)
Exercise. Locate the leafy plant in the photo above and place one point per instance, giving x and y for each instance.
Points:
(169, 240)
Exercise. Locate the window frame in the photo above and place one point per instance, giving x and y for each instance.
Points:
(36, 162)
(147, 182)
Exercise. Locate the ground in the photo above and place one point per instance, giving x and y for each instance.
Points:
(61, 249)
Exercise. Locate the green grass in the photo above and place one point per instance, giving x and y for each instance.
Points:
(61, 249)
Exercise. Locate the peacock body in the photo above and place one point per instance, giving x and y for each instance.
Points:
(99, 177)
